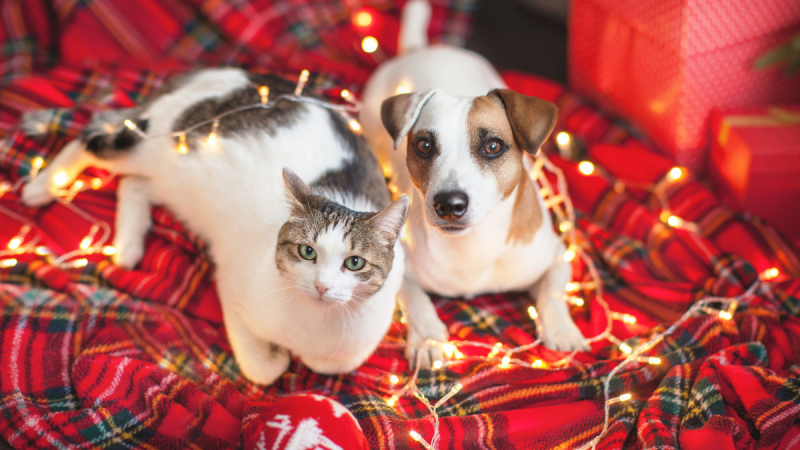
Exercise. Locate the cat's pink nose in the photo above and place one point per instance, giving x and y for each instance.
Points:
(321, 288)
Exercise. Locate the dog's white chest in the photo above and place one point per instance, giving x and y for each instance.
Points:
(482, 261)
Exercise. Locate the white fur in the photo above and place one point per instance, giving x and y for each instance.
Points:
(478, 259)
(233, 196)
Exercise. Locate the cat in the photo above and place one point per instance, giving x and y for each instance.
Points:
(310, 270)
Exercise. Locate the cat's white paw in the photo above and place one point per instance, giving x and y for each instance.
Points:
(266, 366)
(129, 252)
(561, 333)
(36, 193)
(417, 336)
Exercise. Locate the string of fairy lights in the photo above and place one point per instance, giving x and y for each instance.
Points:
(556, 198)
(561, 205)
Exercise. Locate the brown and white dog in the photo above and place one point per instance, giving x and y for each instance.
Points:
(461, 145)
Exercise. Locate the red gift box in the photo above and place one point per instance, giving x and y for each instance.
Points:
(755, 163)
(665, 64)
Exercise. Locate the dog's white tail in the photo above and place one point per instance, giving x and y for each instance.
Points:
(414, 26)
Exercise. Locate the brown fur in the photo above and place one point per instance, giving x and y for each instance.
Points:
(490, 117)
(526, 217)
(418, 167)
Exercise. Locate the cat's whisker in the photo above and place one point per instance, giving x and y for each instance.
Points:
(263, 316)
(272, 292)
(341, 338)
(285, 306)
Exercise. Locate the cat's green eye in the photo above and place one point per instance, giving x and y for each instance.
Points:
(354, 263)
(307, 252)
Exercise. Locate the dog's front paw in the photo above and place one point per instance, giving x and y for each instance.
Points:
(36, 193)
(129, 252)
(562, 334)
(265, 366)
(418, 348)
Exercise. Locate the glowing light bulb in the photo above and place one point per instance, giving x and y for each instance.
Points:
(345, 94)
(85, 243)
(42, 250)
(14, 243)
(537, 364)
(533, 313)
(60, 179)
(448, 349)
(301, 82)
(572, 287)
(564, 226)
(182, 147)
(562, 140)
(96, 183)
(392, 400)
(459, 355)
(369, 44)
(11, 262)
(129, 124)
(263, 91)
(212, 137)
(109, 250)
(76, 186)
(355, 126)
(586, 168)
(393, 379)
(674, 174)
(37, 162)
(674, 221)
(495, 350)
(362, 19)
(621, 398)
(504, 363)
(415, 435)
(625, 348)
(570, 254)
(402, 88)
(437, 364)
(725, 315)
(770, 274)
(80, 262)
(577, 301)
(627, 318)
(654, 360)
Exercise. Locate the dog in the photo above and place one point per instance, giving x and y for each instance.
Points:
(461, 143)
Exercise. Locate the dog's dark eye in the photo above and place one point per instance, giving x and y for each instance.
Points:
(424, 146)
(493, 147)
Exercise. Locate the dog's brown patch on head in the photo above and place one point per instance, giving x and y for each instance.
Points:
(490, 121)
(487, 120)
(419, 165)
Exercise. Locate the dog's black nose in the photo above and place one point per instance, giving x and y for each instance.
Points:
(450, 205)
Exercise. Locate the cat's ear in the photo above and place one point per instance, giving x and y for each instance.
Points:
(389, 222)
(296, 189)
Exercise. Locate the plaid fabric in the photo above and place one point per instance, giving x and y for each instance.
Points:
(104, 357)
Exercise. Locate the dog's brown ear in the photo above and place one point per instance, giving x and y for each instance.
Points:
(532, 119)
(399, 113)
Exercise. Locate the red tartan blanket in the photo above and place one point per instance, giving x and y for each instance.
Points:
(97, 356)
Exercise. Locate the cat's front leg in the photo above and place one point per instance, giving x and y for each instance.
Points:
(132, 222)
(423, 324)
(260, 361)
(60, 172)
(559, 330)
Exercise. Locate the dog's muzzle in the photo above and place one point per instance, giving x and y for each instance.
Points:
(451, 206)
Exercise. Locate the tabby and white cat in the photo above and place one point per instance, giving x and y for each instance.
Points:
(307, 270)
